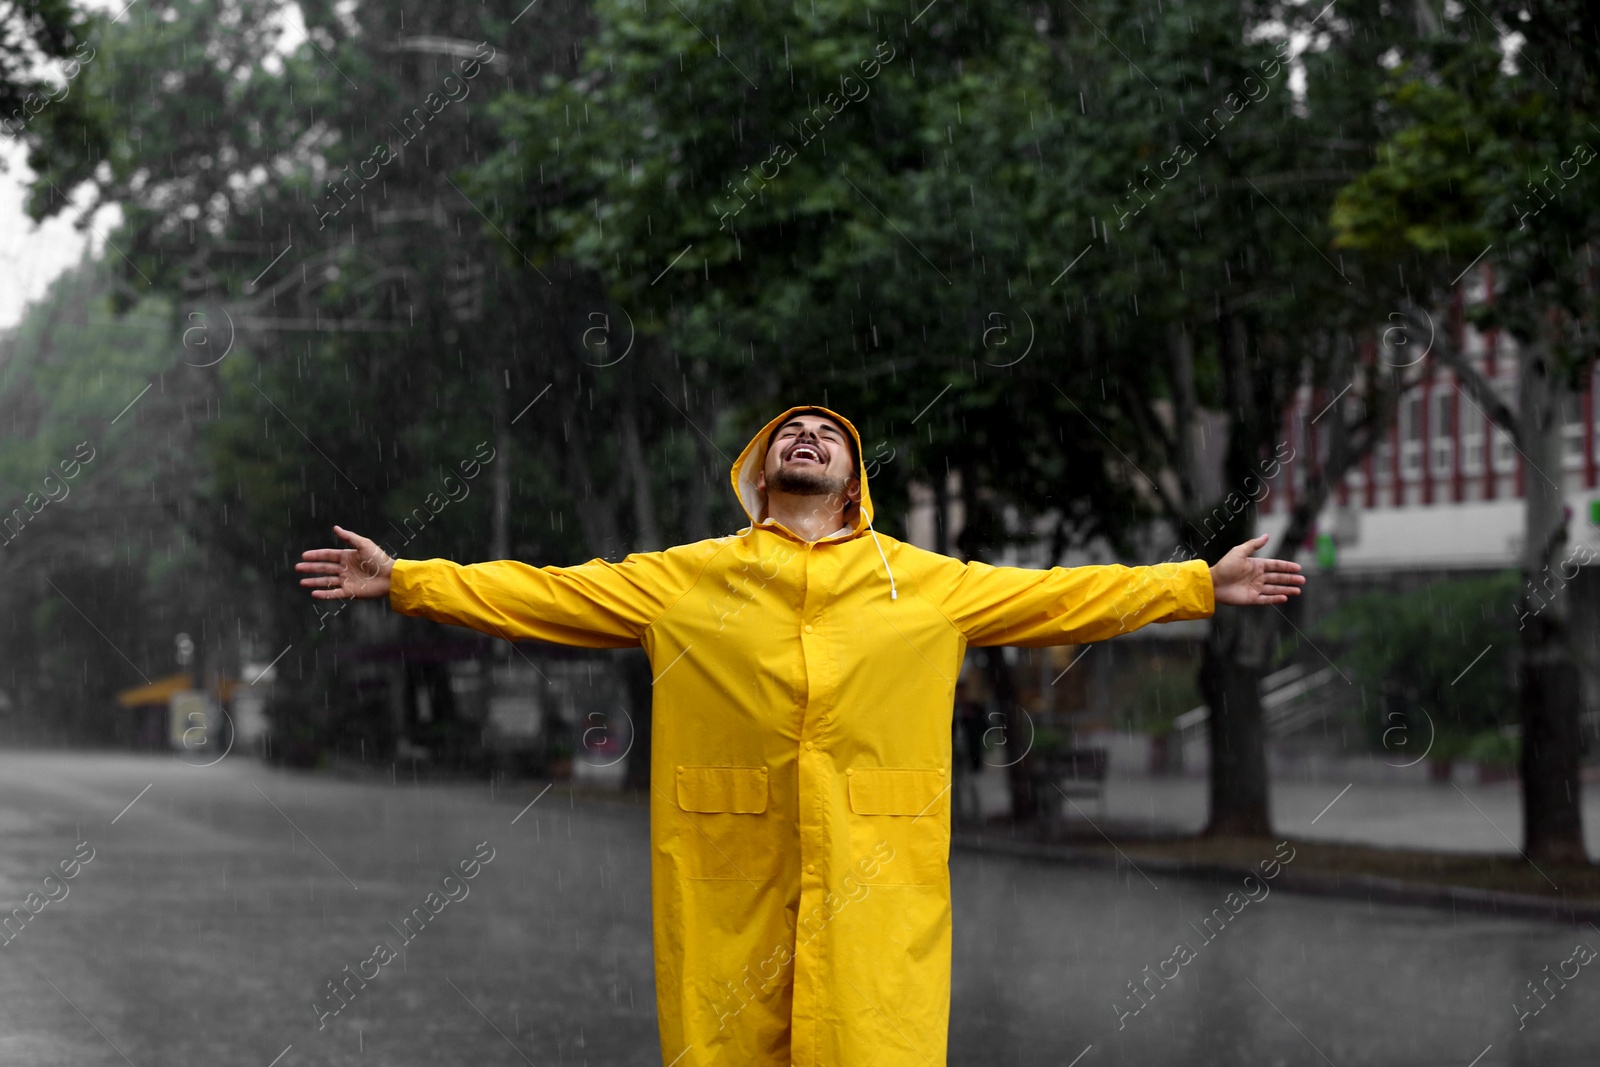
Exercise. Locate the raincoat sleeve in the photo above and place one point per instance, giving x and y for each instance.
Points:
(593, 605)
(1069, 605)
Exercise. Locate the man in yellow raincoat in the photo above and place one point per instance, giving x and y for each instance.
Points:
(801, 758)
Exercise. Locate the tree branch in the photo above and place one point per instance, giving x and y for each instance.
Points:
(1478, 388)
(1348, 444)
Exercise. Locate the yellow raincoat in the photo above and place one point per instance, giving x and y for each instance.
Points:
(800, 768)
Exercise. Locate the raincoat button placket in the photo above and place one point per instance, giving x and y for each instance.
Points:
(811, 842)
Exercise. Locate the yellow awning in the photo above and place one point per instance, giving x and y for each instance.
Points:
(159, 692)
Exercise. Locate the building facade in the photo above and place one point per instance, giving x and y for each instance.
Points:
(1443, 490)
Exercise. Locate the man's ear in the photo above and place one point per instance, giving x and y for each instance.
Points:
(761, 481)
(852, 489)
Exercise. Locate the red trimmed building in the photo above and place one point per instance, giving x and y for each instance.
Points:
(1443, 491)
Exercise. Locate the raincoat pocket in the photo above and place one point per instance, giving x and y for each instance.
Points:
(729, 834)
(905, 809)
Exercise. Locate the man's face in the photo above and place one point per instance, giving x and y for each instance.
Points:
(810, 456)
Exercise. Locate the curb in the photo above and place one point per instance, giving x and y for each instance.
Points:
(1311, 883)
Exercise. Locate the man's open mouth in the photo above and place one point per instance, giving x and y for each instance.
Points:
(808, 452)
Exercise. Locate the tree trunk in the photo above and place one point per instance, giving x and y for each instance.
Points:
(647, 531)
(1185, 413)
(647, 537)
(638, 680)
(497, 653)
(500, 482)
(1237, 646)
(941, 514)
(710, 474)
(595, 504)
(1552, 819)
(1231, 666)
(1019, 770)
(1548, 694)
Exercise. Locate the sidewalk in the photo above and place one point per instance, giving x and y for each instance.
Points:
(1443, 845)
(1446, 817)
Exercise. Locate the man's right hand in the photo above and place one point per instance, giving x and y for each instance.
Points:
(360, 572)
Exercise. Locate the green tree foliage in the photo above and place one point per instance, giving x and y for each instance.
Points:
(1484, 149)
(857, 205)
(99, 554)
(45, 45)
(344, 347)
(1407, 652)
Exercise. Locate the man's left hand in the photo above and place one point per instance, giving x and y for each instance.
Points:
(1238, 579)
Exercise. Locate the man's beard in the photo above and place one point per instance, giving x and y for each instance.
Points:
(801, 482)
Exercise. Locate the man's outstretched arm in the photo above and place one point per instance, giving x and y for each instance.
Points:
(1072, 605)
(592, 605)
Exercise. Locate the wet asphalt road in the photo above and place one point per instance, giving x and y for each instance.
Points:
(219, 904)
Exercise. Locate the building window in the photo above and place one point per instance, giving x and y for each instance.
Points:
(1410, 437)
(1471, 441)
(1353, 411)
(1505, 453)
(1442, 428)
(1571, 433)
(1383, 460)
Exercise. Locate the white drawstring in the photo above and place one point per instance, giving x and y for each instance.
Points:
(892, 594)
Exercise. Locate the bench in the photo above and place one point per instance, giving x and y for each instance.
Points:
(1069, 774)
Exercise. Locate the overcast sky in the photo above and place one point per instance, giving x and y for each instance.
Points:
(31, 256)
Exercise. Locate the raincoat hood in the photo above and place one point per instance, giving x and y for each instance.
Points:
(748, 467)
